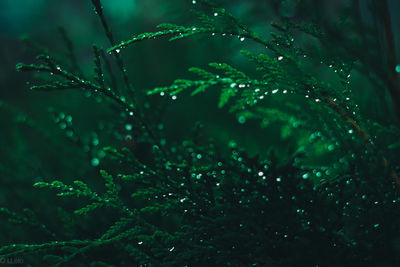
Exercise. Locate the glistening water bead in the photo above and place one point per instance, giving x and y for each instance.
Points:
(128, 127)
(242, 119)
(95, 162)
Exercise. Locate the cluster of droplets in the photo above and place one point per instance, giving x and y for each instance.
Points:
(172, 97)
(92, 147)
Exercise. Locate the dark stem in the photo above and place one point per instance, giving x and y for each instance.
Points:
(130, 91)
(110, 37)
(71, 49)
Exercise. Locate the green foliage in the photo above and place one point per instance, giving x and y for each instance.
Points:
(203, 202)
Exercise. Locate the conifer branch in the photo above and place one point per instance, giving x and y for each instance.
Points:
(130, 91)
(76, 82)
(99, 11)
(98, 69)
(203, 203)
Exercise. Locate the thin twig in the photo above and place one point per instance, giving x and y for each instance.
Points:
(130, 91)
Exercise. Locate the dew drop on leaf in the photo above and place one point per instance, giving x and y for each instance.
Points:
(128, 127)
(95, 162)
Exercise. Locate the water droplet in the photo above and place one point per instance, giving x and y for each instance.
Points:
(275, 91)
(242, 119)
(117, 50)
(280, 58)
(199, 156)
(260, 173)
(397, 68)
(306, 175)
(163, 142)
(194, 2)
(128, 127)
(95, 141)
(95, 162)
(241, 39)
(174, 97)
(215, 14)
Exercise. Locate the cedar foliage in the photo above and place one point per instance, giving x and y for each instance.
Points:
(201, 202)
